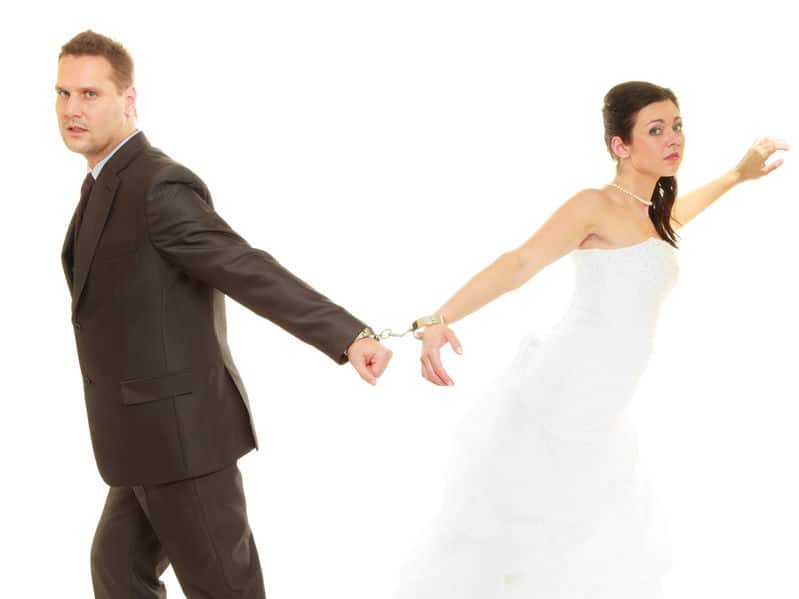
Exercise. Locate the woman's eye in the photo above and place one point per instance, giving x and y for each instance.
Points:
(678, 127)
(655, 131)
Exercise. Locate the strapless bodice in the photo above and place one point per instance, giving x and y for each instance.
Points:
(622, 287)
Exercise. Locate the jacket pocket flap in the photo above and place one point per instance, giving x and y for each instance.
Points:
(138, 391)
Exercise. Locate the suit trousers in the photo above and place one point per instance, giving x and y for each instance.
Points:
(199, 525)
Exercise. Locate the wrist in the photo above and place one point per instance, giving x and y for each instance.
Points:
(366, 333)
(420, 324)
(733, 177)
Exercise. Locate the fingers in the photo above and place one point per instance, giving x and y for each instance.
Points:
(432, 368)
(360, 364)
(438, 368)
(771, 167)
(370, 359)
(766, 146)
(781, 144)
(430, 373)
(380, 361)
(453, 341)
(754, 163)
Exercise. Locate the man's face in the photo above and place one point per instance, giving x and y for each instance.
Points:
(93, 115)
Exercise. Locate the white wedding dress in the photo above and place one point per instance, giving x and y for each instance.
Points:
(544, 498)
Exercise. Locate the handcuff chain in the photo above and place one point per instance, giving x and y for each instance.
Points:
(386, 333)
(417, 327)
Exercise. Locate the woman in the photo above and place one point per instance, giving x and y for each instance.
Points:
(544, 500)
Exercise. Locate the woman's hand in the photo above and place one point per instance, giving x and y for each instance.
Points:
(435, 336)
(753, 164)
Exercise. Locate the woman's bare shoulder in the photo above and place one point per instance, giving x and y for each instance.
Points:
(594, 194)
(590, 201)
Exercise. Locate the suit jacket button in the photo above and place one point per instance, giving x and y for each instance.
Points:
(87, 379)
(77, 325)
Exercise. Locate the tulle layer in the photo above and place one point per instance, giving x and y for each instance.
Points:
(533, 510)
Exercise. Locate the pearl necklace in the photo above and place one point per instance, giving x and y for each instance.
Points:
(631, 194)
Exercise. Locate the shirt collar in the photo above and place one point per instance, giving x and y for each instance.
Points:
(99, 166)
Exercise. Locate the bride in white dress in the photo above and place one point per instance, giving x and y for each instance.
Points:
(544, 499)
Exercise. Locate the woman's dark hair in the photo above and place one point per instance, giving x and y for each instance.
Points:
(622, 105)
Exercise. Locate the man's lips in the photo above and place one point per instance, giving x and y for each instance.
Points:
(76, 129)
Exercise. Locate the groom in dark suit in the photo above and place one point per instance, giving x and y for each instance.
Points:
(148, 262)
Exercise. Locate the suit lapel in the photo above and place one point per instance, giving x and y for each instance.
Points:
(94, 219)
(97, 209)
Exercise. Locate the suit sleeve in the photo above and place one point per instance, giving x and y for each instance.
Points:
(191, 236)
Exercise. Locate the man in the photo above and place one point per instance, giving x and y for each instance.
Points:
(147, 261)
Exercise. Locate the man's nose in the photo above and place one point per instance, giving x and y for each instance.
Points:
(73, 105)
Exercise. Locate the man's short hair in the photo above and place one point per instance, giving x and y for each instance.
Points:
(89, 43)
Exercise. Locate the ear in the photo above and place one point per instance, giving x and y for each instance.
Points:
(620, 149)
(130, 101)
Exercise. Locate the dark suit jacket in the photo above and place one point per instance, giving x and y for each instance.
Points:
(147, 277)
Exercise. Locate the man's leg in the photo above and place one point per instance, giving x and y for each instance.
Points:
(126, 557)
(202, 524)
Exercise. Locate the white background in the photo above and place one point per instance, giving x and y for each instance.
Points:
(386, 152)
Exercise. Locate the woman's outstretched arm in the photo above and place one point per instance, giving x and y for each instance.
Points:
(568, 226)
(752, 166)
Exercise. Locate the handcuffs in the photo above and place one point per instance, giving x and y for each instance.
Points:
(417, 327)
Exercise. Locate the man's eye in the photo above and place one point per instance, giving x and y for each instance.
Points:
(62, 93)
(91, 94)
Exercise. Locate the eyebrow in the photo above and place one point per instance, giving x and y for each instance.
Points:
(58, 88)
(676, 118)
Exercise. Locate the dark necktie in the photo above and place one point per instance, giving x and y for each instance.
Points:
(85, 192)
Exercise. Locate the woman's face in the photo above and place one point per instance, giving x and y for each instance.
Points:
(657, 141)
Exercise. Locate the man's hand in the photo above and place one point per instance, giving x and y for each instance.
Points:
(434, 337)
(369, 358)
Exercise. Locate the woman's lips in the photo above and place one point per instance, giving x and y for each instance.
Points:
(673, 157)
